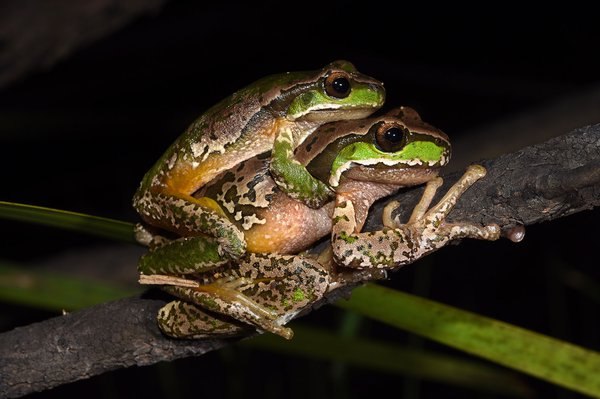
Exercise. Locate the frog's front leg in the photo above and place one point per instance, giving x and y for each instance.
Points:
(265, 291)
(291, 176)
(425, 232)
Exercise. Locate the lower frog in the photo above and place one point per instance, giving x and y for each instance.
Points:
(361, 161)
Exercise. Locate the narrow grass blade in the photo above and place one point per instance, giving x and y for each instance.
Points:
(103, 227)
(552, 360)
(54, 291)
(318, 344)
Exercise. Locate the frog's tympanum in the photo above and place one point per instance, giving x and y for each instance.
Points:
(262, 176)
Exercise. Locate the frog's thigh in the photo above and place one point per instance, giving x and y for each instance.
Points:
(187, 215)
(182, 256)
(283, 283)
(180, 319)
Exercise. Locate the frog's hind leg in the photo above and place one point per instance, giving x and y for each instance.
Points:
(182, 256)
(265, 290)
(189, 216)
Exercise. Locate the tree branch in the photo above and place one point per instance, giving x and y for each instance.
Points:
(538, 183)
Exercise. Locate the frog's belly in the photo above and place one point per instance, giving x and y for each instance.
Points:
(289, 226)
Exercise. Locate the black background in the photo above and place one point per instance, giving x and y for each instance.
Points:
(80, 135)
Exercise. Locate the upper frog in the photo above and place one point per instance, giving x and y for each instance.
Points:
(275, 114)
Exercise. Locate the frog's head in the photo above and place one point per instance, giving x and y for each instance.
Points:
(397, 148)
(336, 92)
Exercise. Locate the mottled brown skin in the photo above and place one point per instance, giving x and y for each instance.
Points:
(273, 287)
(285, 226)
(275, 224)
(273, 115)
(236, 129)
(258, 291)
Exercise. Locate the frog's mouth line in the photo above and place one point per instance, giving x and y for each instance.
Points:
(331, 114)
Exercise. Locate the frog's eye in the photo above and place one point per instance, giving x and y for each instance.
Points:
(337, 85)
(391, 137)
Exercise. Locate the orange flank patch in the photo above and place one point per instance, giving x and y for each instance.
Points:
(185, 177)
(204, 202)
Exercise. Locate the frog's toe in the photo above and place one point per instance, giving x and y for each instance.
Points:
(276, 329)
(455, 231)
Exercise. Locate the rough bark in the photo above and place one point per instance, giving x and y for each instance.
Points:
(538, 183)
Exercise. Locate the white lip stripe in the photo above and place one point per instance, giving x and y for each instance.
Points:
(319, 107)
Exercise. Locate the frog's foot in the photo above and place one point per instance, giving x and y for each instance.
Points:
(400, 244)
(180, 319)
(433, 220)
(145, 235)
(433, 232)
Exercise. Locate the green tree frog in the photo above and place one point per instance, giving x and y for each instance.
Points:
(361, 161)
(274, 114)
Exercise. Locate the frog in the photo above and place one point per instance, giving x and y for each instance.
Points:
(274, 114)
(361, 161)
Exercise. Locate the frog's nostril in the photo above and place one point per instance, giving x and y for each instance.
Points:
(378, 88)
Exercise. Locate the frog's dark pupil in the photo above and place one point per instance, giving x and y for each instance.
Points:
(341, 85)
(393, 135)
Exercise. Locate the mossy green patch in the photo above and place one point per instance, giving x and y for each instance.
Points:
(298, 295)
(347, 238)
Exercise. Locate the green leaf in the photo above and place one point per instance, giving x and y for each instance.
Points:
(103, 227)
(547, 358)
(319, 344)
(53, 291)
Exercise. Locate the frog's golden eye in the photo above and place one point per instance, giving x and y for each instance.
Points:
(391, 137)
(337, 85)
